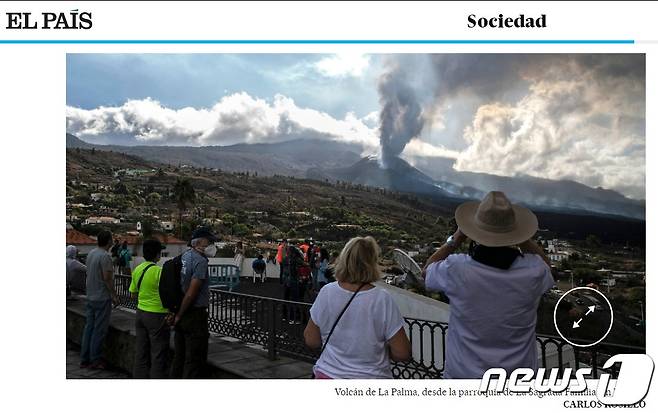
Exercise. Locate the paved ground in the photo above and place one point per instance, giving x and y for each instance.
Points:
(73, 371)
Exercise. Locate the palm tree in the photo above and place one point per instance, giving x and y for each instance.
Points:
(183, 193)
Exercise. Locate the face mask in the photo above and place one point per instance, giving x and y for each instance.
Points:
(210, 251)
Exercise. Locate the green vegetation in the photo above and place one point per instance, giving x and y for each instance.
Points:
(241, 204)
(183, 194)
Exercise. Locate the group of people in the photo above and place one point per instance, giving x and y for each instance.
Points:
(304, 268)
(354, 322)
(315, 257)
(121, 256)
(153, 322)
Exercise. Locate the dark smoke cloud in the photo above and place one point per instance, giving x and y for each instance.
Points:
(408, 107)
(489, 78)
(401, 116)
(499, 76)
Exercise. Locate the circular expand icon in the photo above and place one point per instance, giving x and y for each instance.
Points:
(583, 316)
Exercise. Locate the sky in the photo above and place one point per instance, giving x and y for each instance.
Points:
(556, 116)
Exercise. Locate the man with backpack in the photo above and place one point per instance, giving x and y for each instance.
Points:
(152, 331)
(191, 319)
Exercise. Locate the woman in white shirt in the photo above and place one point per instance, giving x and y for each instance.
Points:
(371, 330)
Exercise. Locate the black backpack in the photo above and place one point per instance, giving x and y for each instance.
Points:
(171, 293)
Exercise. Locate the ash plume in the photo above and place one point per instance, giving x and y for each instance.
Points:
(401, 116)
(514, 114)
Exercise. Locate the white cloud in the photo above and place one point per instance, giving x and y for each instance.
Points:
(562, 130)
(343, 65)
(417, 147)
(236, 118)
(146, 120)
(372, 119)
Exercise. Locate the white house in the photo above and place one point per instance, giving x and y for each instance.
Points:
(558, 256)
(298, 214)
(173, 246)
(167, 225)
(101, 220)
(608, 282)
(211, 221)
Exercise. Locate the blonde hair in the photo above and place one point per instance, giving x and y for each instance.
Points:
(357, 262)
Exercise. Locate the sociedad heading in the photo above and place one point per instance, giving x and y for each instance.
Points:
(502, 22)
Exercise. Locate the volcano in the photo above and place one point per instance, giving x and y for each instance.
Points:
(445, 183)
(398, 175)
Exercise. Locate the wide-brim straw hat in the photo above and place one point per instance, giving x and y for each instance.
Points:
(495, 222)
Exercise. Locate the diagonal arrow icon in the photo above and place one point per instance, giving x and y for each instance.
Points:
(590, 309)
(576, 324)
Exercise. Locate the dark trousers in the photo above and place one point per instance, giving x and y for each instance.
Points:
(97, 323)
(291, 293)
(151, 346)
(280, 273)
(314, 278)
(191, 344)
(303, 288)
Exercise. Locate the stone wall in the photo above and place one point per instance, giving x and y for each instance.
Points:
(227, 358)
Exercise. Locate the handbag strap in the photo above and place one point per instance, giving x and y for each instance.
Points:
(139, 283)
(340, 315)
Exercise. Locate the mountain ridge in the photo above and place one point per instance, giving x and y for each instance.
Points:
(323, 160)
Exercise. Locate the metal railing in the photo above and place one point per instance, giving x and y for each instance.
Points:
(122, 286)
(224, 276)
(426, 337)
(278, 326)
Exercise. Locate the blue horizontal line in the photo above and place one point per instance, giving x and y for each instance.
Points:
(291, 41)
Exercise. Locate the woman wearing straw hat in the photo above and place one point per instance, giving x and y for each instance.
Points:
(494, 290)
